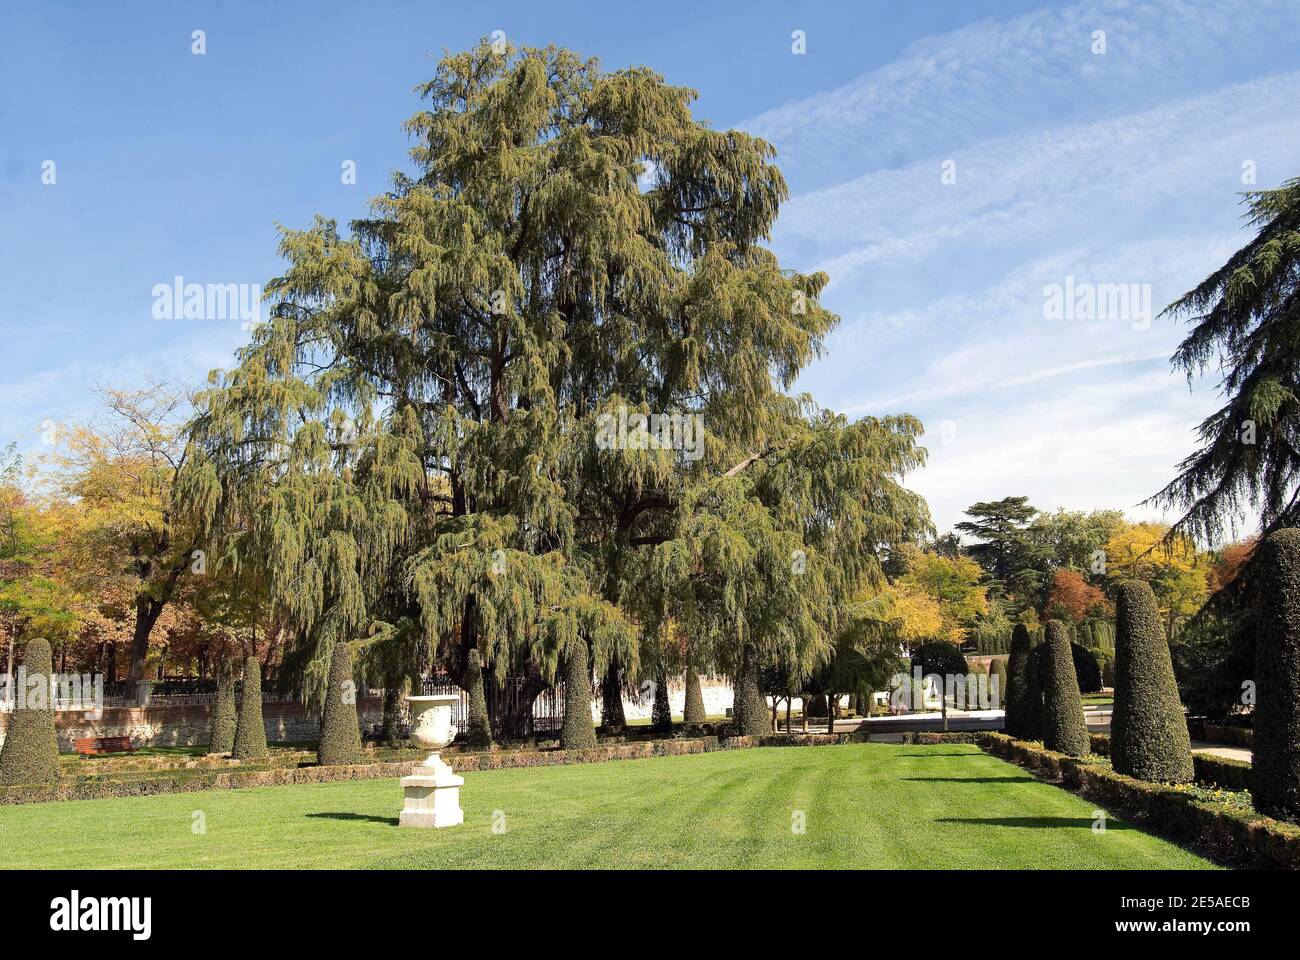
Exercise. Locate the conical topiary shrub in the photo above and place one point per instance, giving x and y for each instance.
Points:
(693, 713)
(1275, 774)
(1087, 669)
(478, 727)
(221, 729)
(1021, 711)
(998, 680)
(1148, 731)
(250, 732)
(750, 706)
(1064, 728)
(31, 749)
(577, 732)
(340, 730)
(1037, 673)
(661, 713)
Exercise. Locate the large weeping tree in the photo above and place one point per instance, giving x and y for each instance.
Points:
(417, 446)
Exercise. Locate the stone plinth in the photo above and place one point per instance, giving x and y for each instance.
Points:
(432, 796)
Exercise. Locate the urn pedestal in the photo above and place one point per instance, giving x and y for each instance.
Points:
(432, 790)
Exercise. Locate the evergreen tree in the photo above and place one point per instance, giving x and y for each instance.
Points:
(30, 753)
(1245, 315)
(1022, 687)
(340, 729)
(250, 731)
(999, 526)
(444, 422)
(577, 731)
(1275, 772)
(1064, 727)
(478, 727)
(221, 731)
(1148, 733)
(693, 714)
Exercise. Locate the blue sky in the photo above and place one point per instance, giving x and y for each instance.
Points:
(1122, 167)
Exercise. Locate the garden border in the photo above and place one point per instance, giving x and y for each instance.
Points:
(1228, 836)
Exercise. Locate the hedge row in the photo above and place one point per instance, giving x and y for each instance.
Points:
(1233, 836)
(1210, 771)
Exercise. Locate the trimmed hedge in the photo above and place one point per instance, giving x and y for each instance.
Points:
(1225, 834)
(478, 726)
(577, 731)
(340, 730)
(693, 714)
(250, 731)
(1021, 711)
(998, 668)
(1087, 669)
(1149, 738)
(1276, 785)
(1064, 727)
(939, 657)
(31, 749)
(225, 716)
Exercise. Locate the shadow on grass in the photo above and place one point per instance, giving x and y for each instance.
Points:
(945, 756)
(969, 779)
(1051, 823)
(389, 821)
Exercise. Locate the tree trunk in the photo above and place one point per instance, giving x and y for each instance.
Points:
(788, 701)
(392, 716)
(147, 611)
(510, 705)
(661, 717)
(612, 716)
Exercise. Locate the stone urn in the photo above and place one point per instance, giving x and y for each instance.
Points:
(432, 790)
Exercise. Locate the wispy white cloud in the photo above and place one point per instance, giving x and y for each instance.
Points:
(1117, 169)
(1000, 75)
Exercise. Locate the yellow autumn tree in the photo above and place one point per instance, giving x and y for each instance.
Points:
(1179, 575)
(125, 536)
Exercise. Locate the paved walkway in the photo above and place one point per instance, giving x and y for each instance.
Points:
(1222, 750)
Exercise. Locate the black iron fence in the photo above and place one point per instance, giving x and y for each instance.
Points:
(509, 710)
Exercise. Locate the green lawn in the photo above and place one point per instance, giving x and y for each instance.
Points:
(864, 805)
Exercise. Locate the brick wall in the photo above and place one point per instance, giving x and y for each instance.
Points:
(163, 726)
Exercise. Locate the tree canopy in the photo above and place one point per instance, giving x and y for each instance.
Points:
(415, 446)
(1244, 316)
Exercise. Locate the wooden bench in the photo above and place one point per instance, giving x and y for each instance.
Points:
(90, 746)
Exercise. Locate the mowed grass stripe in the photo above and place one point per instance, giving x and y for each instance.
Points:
(866, 805)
